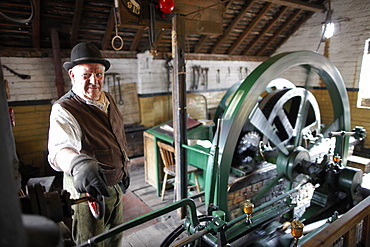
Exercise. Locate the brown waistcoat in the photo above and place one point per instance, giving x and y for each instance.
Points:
(103, 136)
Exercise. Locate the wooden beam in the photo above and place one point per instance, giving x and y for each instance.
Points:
(204, 38)
(137, 38)
(159, 38)
(232, 26)
(65, 53)
(308, 16)
(59, 81)
(250, 28)
(281, 29)
(266, 29)
(179, 108)
(224, 57)
(297, 4)
(36, 25)
(76, 22)
(200, 43)
(108, 31)
(47, 52)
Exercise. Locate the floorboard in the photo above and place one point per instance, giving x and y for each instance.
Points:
(141, 198)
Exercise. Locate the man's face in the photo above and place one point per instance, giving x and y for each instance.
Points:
(88, 80)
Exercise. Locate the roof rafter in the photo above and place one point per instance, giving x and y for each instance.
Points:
(36, 24)
(281, 29)
(108, 30)
(249, 29)
(137, 38)
(231, 27)
(76, 21)
(297, 4)
(270, 25)
(295, 28)
(200, 43)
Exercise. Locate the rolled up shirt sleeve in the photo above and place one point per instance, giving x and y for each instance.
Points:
(64, 133)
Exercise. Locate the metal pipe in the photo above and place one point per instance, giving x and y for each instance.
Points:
(145, 218)
(267, 204)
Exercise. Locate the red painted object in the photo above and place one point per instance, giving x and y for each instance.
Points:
(166, 6)
(12, 116)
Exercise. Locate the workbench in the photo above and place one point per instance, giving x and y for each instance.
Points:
(197, 155)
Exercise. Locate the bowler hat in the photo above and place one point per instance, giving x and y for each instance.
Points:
(85, 53)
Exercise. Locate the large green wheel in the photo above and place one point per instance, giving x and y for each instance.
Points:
(243, 108)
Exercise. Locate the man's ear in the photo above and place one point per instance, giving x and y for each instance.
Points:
(71, 74)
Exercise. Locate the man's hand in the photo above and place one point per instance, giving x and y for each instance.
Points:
(87, 176)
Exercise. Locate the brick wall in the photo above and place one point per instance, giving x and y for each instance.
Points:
(247, 187)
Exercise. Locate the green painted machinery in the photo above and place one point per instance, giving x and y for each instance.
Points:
(271, 122)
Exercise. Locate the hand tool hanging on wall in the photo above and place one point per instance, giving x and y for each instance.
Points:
(114, 90)
(218, 76)
(202, 76)
(168, 67)
(22, 76)
(120, 101)
(114, 86)
(108, 83)
(206, 78)
(196, 75)
(240, 73)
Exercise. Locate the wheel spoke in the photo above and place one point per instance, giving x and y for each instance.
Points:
(286, 123)
(262, 124)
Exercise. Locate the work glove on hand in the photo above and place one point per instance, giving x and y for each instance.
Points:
(87, 176)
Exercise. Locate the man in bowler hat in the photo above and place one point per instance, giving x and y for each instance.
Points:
(87, 142)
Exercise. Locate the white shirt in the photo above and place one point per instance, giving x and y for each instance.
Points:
(65, 132)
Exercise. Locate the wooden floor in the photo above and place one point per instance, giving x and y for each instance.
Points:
(141, 198)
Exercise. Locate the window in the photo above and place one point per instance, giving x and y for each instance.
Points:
(363, 100)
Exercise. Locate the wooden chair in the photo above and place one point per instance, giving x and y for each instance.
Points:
(168, 157)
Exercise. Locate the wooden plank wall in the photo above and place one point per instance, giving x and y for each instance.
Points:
(31, 134)
(157, 109)
(130, 108)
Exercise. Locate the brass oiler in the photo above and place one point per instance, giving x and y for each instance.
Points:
(297, 230)
(248, 210)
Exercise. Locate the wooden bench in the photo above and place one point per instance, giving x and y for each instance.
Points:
(359, 162)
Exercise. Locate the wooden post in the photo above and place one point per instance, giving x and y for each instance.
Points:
(179, 107)
(59, 81)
